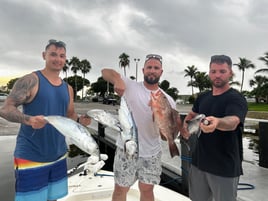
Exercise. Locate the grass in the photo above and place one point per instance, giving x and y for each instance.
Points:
(257, 110)
(263, 107)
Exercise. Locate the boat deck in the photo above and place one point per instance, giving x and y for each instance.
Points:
(100, 188)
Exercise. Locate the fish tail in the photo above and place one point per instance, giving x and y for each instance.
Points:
(173, 149)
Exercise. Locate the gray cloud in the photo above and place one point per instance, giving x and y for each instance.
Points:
(184, 32)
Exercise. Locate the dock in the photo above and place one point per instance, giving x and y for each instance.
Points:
(253, 184)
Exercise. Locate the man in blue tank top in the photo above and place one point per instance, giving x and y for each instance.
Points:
(217, 157)
(40, 152)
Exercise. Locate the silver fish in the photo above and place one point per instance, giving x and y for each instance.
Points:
(193, 124)
(78, 134)
(105, 118)
(129, 132)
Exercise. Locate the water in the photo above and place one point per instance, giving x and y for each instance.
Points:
(251, 145)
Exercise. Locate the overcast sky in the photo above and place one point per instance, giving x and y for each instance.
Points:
(184, 32)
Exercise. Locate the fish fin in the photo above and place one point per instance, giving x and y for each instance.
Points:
(175, 111)
(163, 137)
(173, 149)
(175, 126)
(150, 103)
(198, 132)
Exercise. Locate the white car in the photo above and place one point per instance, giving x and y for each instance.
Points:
(3, 96)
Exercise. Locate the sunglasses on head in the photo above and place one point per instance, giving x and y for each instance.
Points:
(154, 56)
(57, 43)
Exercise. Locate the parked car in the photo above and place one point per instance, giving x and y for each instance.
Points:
(3, 96)
(250, 99)
(180, 101)
(109, 100)
(97, 99)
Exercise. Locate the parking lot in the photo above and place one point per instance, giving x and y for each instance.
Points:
(3, 96)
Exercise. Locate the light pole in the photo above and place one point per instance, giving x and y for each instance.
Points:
(137, 61)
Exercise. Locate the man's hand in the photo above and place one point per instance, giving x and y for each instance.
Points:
(37, 122)
(119, 87)
(84, 120)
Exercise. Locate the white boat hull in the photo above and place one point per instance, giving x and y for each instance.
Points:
(100, 188)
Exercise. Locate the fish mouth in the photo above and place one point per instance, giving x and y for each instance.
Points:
(197, 117)
(193, 124)
(130, 148)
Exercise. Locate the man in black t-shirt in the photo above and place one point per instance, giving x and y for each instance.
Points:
(217, 158)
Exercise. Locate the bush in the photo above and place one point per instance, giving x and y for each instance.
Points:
(191, 99)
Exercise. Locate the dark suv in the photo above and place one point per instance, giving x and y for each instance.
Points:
(109, 100)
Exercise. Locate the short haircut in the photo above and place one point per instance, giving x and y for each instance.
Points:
(57, 43)
(221, 59)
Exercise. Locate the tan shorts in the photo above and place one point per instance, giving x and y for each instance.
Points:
(127, 171)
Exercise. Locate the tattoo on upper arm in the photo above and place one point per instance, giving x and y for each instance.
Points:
(22, 90)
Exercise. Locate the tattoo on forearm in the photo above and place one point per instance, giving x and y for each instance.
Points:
(228, 123)
(16, 116)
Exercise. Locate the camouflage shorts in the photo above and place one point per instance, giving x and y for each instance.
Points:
(127, 171)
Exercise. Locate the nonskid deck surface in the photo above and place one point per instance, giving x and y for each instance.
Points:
(100, 188)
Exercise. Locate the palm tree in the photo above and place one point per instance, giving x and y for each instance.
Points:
(124, 61)
(260, 90)
(201, 81)
(190, 72)
(234, 83)
(164, 85)
(243, 65)
(85, 68)
(75, 67)
(65, 69)
(265, 59)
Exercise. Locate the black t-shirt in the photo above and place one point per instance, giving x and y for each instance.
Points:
(220, 152)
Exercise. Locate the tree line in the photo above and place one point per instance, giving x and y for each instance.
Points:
(198, 79)
(259, 82)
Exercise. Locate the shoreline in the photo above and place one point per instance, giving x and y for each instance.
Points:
(9, 128)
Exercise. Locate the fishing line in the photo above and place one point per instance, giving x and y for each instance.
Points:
(178, 178)
(186, 158)
(246, 186)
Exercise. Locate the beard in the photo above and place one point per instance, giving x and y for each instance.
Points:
(219, 83)
(151, 80)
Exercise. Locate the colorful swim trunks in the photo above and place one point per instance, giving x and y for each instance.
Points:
(40, 181)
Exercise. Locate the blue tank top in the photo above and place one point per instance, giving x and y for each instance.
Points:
(45, 144)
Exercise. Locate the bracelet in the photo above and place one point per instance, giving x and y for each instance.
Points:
(78, 119)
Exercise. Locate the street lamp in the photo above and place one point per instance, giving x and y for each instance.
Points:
(137, 61)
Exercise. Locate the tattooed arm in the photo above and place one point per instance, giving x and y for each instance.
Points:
(23, 91)
(227, 123)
